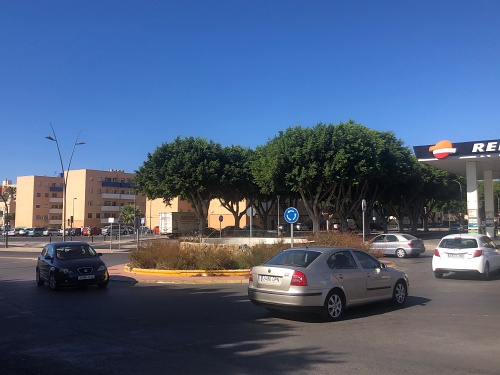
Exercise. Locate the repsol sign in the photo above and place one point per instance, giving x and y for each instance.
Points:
(445, 148)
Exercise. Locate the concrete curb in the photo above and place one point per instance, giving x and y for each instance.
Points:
(188, 273)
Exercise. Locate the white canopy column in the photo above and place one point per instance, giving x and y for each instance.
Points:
(489, 205)
(472, 205)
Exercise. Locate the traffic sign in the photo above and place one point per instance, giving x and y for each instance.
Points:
(291, 215)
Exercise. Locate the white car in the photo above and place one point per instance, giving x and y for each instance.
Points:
(466, 253)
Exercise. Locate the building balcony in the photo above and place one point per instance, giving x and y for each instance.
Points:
(55, 210)
(55, 200)
(117, 196)
(110, 208)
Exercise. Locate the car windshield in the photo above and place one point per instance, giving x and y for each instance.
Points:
(458, 243)
(301, 258)
(75, 252)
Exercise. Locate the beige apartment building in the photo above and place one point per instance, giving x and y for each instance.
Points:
(92, 198)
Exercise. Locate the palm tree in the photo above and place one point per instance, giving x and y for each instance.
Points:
(129, 213)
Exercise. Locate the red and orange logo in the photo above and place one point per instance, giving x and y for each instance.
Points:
(442, 149)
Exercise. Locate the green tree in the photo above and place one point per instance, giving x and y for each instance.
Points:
(189, 168)
(236, 184)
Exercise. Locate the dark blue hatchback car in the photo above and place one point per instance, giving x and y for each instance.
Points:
(70, 264)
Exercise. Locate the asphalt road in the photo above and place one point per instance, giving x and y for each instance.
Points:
(448, 326)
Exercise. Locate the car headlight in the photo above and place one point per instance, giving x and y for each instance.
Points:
(102, 268)
(65, 271)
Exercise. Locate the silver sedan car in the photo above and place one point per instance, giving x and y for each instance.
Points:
(325, 280)
(399, 244)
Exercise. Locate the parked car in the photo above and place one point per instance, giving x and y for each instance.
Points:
(325, 280)
(51, 232)
(106, 231)
(128, 229)
(36, 232)
(455, 228)
(301, 227)
(24, 231)
(91, 231)
(70, 264)
(399, 244)
(475, 253)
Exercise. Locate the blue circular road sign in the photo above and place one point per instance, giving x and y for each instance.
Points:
(291, 215)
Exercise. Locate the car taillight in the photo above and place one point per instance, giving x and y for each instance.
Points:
(477, 253)
(298, 279)
(410, 243)
(436, 253)
(250, 277)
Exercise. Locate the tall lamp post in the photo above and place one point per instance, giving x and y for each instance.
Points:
(64, 176)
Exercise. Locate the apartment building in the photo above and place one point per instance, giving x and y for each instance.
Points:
(93, 197)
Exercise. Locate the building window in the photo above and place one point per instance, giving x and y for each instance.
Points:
(38, 195)
(54, 195)
(46, 195)
(37, 206)
(91, 190)
(99, 179)
(98, 191)
(90, 203)
(38, 183)
(98, 215)
(89, 215)
(91, 178)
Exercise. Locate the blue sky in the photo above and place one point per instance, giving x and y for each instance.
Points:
(131, 75)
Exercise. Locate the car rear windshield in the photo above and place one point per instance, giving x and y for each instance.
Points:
(458, 243)
(300, 258)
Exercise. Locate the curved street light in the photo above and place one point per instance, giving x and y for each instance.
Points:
(64, 176)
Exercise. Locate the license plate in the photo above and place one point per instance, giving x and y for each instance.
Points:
(269, 279)
(86, 277)
(455, 255)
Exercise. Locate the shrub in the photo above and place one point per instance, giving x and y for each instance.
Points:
(194, 256)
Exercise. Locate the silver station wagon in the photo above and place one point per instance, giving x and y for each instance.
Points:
(325, 280)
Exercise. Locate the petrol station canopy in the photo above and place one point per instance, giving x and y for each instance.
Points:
(453, 157)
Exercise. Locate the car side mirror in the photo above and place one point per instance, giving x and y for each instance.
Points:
(100, 254)
(382, 265)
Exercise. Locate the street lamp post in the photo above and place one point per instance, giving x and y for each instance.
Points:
(64, 175)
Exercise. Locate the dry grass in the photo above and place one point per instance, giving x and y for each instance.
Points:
(173, 255)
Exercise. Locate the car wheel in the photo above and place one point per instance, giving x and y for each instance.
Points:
(400, 293)
(39, 280)
(105, 283)
(438, 274)
(485, 276)
(400, 253)
(53, 284)
(334, 305)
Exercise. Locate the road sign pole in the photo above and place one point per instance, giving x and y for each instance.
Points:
(291, 216)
